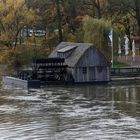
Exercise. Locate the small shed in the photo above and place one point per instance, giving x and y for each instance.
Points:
(85, 62)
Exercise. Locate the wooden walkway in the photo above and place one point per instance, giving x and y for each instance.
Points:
(124, 78)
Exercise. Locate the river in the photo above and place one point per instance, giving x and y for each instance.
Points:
(89, 112)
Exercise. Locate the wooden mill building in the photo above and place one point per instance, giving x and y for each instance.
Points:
(85, 63)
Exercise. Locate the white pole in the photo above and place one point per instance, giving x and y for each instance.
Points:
(112, 45)
(133, 50)
(111, 40)
(119, 47)
(126, 45)
(112, 54)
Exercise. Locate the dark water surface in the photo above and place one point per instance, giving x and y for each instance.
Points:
(101, 112)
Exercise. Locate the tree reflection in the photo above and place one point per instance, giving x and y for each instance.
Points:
(126, 99)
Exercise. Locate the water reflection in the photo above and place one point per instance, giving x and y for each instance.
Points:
(71, 113)
(127, 99)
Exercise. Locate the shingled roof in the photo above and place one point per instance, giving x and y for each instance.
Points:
(79, 50)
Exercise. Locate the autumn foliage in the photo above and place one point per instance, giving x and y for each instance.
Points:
(70, 18)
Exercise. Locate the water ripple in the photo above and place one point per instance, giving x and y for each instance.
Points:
(71, 113)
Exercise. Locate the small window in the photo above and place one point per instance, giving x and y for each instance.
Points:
(84, 70)
(100, 69)
(61, 55)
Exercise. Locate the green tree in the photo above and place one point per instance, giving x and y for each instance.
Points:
(13, 18)
(96, 31)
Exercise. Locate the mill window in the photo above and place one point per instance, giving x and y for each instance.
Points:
(100, 69)
(84, 70)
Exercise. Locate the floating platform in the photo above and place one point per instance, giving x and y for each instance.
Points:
(19, 83)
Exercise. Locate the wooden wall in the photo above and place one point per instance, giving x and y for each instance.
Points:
(92, 67)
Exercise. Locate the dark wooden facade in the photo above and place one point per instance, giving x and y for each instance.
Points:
(50, 69)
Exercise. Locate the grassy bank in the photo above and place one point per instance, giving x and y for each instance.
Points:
(119, 65)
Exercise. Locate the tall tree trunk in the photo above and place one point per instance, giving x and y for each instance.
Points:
(98, 9)
(59, 21)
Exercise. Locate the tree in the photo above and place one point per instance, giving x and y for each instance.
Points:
(13, 18)
(45, 10)
(136, 10)
(50, 13)
(96, 31)
(69, 14)
(59, 21)
(125, 7)
(95, 8)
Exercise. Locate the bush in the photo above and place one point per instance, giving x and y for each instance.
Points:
(22, 55)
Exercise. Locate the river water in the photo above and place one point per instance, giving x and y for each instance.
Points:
(103, 112)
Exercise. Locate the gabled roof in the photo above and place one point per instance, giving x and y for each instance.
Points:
(66, 49)
(79, 50)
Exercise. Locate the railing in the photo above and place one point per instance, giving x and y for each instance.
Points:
(126, 72)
